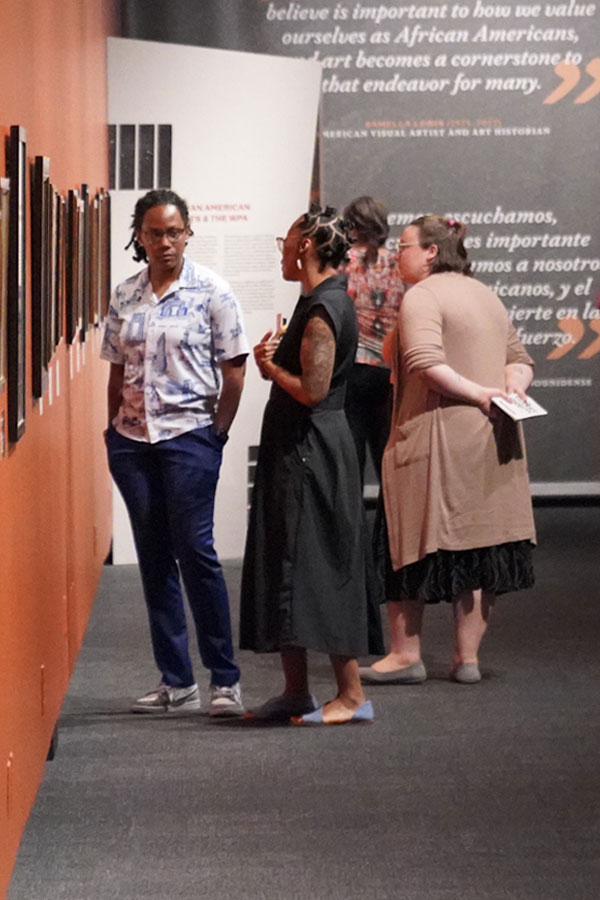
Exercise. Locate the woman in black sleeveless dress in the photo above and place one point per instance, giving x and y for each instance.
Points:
(304, 582)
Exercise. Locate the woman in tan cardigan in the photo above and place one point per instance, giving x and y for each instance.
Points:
(455, 483)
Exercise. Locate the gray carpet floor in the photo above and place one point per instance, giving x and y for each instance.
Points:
(455, 793)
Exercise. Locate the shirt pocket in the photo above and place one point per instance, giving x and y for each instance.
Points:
(134, 329)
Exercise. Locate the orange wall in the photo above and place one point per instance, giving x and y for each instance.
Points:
(54, 486)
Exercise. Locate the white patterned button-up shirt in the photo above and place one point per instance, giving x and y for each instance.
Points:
(171, 349)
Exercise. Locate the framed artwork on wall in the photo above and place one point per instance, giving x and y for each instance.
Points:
(72, 266)
(100, 257)
(81, 261)
(16, 303)
(48, 325)
(4, 204)
(41, 256)
(60, 285)
(105, 242)
(85, 255)
(52, 337)
(95, 261)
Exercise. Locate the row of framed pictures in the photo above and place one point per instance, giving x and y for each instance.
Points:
(70, 271)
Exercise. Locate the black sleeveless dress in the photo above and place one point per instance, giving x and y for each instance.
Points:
(307, 579)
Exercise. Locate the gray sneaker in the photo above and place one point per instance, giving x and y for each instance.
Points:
(225, 700)
(166, 699)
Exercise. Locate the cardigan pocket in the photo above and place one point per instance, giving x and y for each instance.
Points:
(412, 441)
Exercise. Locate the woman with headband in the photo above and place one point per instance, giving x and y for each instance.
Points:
(455, 483)
(304, 579)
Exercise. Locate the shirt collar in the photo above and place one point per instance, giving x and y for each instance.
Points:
(334, 281)
(144, 286)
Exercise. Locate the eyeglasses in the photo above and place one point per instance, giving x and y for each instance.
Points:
(280, 242)
(400, 246)
(155, 235)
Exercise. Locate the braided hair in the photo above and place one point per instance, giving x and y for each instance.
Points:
(448, 235)
(329, 233)
(160, 197)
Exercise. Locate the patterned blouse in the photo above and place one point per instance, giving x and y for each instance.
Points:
(171, 349)
(376, 290)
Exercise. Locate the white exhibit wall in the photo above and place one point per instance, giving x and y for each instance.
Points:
(243, 136)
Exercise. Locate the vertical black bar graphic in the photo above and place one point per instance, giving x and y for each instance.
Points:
(112, 155)
(126, 157)
(164, 156)
(146, 156)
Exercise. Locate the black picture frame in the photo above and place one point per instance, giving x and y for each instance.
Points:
(105, 220)
(4, 227)
(61, 266)
(52, 336)
(17, 271)
(95, 260)
(100, 257)
(72, 266)
(41, 221)
(50, 237)
(85, 260)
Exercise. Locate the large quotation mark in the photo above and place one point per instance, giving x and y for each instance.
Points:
(594, 347)
(575, 328)
(593, 69)
(570, 75)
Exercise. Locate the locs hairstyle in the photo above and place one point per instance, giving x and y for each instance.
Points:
(329, 233)
(148, 201)
(448, 235)
(368, 217)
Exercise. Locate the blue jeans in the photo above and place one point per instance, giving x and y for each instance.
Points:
(169, 490)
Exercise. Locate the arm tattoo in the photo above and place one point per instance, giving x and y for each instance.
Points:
(317, 355)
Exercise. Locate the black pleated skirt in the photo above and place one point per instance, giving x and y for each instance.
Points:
(446, 573)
